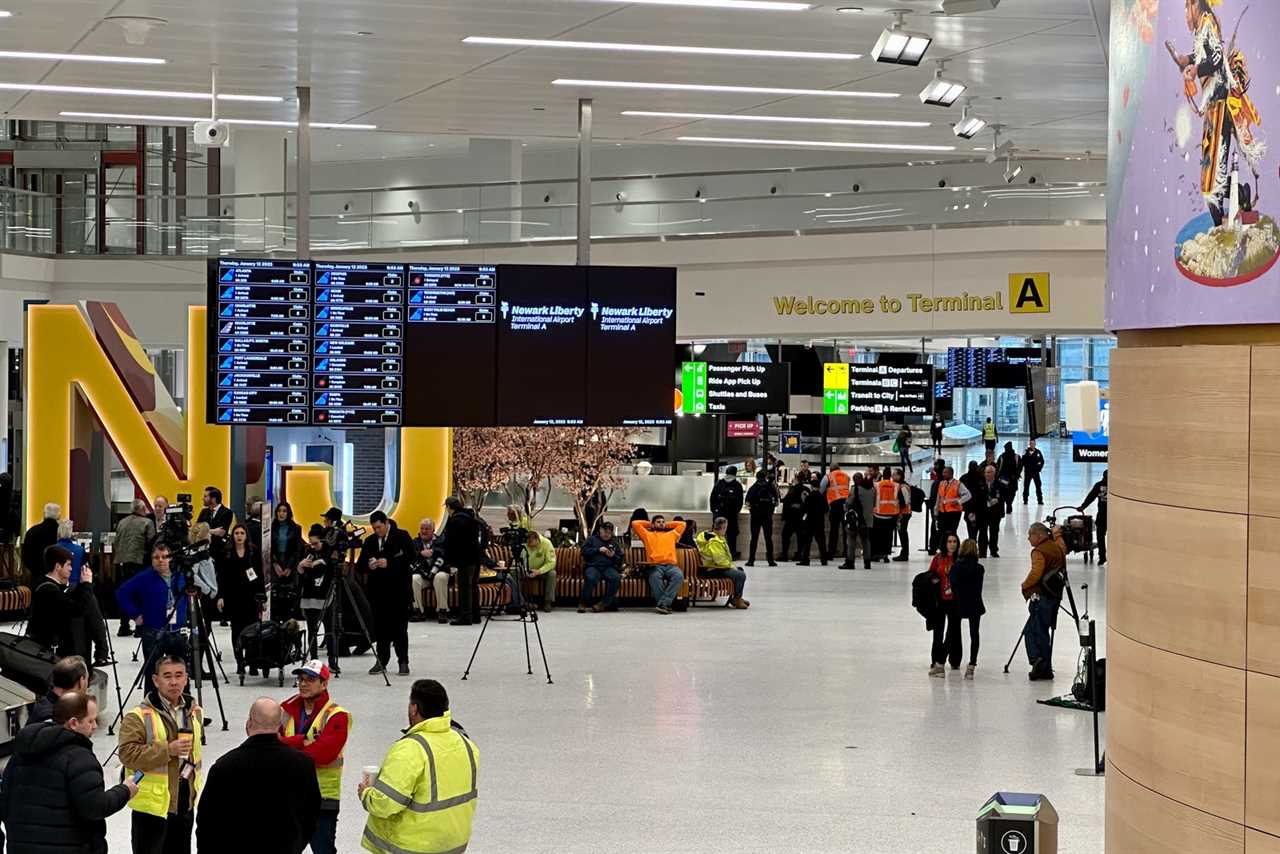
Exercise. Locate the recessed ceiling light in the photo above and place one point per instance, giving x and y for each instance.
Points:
(177, 120)
(79, 57)
(898, 46)
(817, 143)
(661, 48)
(363, 33)
(849, 10)
(704, 87)
(744, 5)
(5, 14)
(797, 120)
(135, 93)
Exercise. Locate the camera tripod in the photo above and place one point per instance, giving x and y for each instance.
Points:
(526, 615)
(201, 655)
(1053, 629)
(336, 626)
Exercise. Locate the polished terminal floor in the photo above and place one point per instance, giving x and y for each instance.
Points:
(806, 724)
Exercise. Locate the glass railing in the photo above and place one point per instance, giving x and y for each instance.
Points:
(796, 201)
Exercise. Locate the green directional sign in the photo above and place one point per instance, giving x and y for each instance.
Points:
(693, 387)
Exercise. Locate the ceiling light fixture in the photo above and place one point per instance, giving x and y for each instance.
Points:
(5, 14)
(704, 87)
(661, 48)
(1012, 170)
(742, 5)
(179, 120)
(80, 57)
(796, 120)
(817, 143)
(897, 46)
(941, 92)
(969, 126)
(135, 93)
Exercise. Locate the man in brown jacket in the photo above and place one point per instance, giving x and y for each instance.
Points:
(1042, 589)
(161, 738)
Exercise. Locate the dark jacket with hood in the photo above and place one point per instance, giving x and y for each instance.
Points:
(53, 799)
(1008, 465)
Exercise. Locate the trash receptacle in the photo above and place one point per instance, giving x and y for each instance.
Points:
(1017, 823)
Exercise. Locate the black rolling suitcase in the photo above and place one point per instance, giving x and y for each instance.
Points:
(269, 645)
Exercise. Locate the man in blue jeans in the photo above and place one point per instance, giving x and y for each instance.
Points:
(157, 604)
(602, 560)
(1042, 588)
(665, 577)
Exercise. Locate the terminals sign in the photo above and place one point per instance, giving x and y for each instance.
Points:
(1029, 293)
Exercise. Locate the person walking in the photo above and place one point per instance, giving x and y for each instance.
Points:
(665, 577)
(966, 583)
(902, 444)
(1007, 467)
(935, 433)
(319, 728)
(1099, 494)
(129, 551)
(763, 499)
(241, 588)
(163, 738)
(989, 435)
(946, 623)
(1042, 589)
(423, 798)
(717, 562)
(53, 797)
(260, 796)
(811, 531)
(885, 521)
(726, 500)
(793, 518)
(602, 560)
(991, 497)
(835, 486)
(1031, 464)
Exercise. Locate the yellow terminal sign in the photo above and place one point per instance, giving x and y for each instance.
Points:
(1029, 293)
(835, 389)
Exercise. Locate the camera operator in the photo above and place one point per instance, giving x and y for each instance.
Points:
(541, 563)
(129, 551)
(1042, 588)
(55, 606)
(316, 573)
(386, 555)
(156, 600)
(218, 518)
(462, 537)
(429, 568)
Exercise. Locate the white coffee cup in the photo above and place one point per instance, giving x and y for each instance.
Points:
(368, 774)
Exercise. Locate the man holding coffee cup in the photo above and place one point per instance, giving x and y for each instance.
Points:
(161, 738)
(318, 727)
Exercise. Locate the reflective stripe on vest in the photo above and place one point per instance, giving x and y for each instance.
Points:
(988, 431)
(328, 776)
(888, 502)
(435, 805)
(153, 789)
(379, 844)
(408, 830)
(837, 486)
(949, 497)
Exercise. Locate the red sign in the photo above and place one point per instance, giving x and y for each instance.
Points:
(742, 429)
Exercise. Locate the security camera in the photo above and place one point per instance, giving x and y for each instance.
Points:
(773, 191)
(857, 188)
(942, 183)
(346, 207)
(1033, 180)
(546, 200)
(620, 196)
(212, 134)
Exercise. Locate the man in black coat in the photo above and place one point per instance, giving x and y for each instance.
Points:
(218, 518)
(38, 538)
(726, 501)
(815, 514)
(56, 608)
(1032, 463)
(386, 555)
(990, 503)
(261, 796)
(464, 552)
(69, 675)
(53, 800)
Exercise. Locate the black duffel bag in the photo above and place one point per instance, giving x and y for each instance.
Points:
(26, 662)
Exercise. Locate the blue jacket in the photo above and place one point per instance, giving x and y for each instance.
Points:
(592, 557)
(145, 594)
(78, 557)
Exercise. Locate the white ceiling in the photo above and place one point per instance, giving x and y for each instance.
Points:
(1041, 59)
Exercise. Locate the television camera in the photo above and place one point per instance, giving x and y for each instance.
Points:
(176, 525)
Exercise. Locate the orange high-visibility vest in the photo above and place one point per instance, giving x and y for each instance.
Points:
(837, 486)
(888, 494)
(949, 497)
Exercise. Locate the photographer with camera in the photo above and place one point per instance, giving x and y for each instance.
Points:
(56, 606)
(316, 574)
(540, 560)
(462, 540)
(1043, 588)
(386, 556)
(241, 588)
(156, 600)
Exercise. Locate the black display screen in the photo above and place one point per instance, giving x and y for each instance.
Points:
(631, 341)
(881, 391)
(542, 346)
(358, 364)
(260, 332)
(451, 335)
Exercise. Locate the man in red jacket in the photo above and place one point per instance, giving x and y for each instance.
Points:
(319, 727)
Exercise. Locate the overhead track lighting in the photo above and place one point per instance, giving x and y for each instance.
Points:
(135, 93)
(80, 57)
(1012, 170)
(969, 126)
(706, 87)
(898, 46)
(941, 92)
(182, 120)
(660, 48)
(998, 149)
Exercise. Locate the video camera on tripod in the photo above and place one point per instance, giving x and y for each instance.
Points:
(184, 559)
(516, 539)
(176, 525)
(344, 536)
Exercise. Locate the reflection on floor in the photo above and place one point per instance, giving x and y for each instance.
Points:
(806, 724)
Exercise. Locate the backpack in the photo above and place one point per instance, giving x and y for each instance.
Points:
(917, 499)
(924, 597)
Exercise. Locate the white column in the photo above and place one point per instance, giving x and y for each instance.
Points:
(498, 160)
(303, 205)
(584, 181)
(256, 167)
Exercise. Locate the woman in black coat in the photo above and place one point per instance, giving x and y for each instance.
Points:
(287, 549)
(966, 583)
(240, 584)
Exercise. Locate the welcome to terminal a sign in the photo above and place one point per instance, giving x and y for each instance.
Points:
(1028, 293)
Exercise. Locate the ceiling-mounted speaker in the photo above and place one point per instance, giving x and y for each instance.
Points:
(968, 7)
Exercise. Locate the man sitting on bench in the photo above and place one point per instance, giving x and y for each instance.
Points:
(665, 577)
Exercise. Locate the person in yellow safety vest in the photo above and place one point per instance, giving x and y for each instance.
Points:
(885, 517)
(423, 798)
(950, 497)
(904, 515)
(836, 487)
(990, 436)
(161, 738)
(319, 727)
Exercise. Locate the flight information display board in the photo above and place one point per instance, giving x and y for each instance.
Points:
(631, 336)
(542, 346)
(453, 328)
(260, 332)
(358, 374)
(889, 391)
(735, 388)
